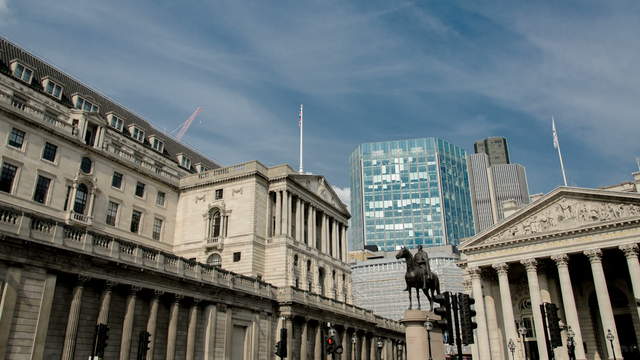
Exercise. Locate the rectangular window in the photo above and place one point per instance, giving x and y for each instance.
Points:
(112, 213)
(157, 145)
(236, 256)
(42, 189)
(160, 198)
(23, 73)
(157, 228)
(137, 134)
(136, 217)
(115, 122)
(185, 162)
(7, 176)
(16, 138)
(53, 89)
(219, 194)
(85, 105)
(116, 180)
(140, 189)
(49, 152)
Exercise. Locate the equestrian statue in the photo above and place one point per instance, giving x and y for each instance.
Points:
(419, 275)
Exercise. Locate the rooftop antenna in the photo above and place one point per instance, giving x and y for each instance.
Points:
(556, 144)
(185, 125)
(301, 126)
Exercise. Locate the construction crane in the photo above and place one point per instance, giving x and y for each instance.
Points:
(185, 125)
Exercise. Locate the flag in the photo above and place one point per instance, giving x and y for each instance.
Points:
(556, 144)
(300, 117)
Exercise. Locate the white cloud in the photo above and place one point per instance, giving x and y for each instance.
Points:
(4, 8)
(344, 194)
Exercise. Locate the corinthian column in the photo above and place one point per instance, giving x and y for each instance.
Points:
(534, 292)
(127, 323)
(505, 298)
(631, 253)
(69, 346)
(570, 310)
(482, 333)
(173, 328)
(604, 302)
(191, 332)
(105, 303)
(151, 322)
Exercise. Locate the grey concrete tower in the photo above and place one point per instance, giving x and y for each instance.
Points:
(495, 148)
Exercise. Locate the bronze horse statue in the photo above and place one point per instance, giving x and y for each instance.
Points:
(419, 278)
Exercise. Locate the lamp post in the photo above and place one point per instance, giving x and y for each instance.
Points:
(523, 332)
(512, 348)
(354, 341)
(380, 344)
(571, 344)
(429, 326)
(610, 338)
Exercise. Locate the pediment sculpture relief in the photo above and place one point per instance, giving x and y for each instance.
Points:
(567, 214)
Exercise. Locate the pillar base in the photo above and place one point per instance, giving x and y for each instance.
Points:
(416, 336)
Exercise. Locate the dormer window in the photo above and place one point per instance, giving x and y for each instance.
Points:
(184, 161)
(115, 121)
(83, 104)
(156, 144)
(200, 168)
(136, 133)
(22, 72)
(52, 88)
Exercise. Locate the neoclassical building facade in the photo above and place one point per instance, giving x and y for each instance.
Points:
(105, 220)
(574, 247)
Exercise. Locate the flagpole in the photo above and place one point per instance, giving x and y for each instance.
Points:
(301, 125)
(556, 144)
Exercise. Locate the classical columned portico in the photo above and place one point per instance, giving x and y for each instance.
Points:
(484, 351)
(531, 265)
(570, 309)
(604, 302)
(507, 307)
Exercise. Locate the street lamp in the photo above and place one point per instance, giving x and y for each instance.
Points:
(354, 341)
(380, 345)
(571, 344)
(429, 326)
(523, 332)
(610, 337)
(512, 348)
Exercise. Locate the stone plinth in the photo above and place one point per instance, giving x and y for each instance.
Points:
(416, 335)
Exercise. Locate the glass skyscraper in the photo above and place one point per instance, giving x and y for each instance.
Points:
(409, 192)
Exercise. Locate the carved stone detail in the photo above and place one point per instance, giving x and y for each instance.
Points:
(567, 214)
(594, 255)
(630, 250)
(474, 272)
(561, 260)
(530, 264)
(501, 268)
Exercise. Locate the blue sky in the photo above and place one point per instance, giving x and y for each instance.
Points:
(366, 71)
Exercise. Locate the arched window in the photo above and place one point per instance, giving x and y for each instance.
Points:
(81, 199)
(214, 260)
(215, 221)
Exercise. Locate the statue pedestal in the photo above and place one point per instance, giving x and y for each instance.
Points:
(416, 336)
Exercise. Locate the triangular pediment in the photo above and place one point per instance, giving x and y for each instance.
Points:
(562, 210)
(319, 186)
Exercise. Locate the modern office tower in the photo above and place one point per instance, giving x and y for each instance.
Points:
(409, 192)
(378, 279)
(491, 185)
(495, 147)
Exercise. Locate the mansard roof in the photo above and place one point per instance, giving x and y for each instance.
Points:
(41, 69)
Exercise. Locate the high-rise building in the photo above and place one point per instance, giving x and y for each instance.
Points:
(496, 149)
(491, 185)
(409, 192)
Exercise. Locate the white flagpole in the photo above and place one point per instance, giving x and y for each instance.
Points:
(556, 144)
(301, 125)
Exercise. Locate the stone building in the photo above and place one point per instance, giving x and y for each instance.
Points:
(104, 219)
(574, 247)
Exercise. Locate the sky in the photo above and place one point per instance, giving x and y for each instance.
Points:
(365, 71)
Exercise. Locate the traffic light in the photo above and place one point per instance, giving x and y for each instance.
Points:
(553, 322)
(281, 346)
(144, 340)
(102, 335)
(332, 342)
(444, 311)
(466, 318)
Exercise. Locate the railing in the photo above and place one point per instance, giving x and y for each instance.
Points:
(37, 114)
(81, 218)
(139, 162)
(248, 167)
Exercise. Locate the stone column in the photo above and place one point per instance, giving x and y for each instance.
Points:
(173, 328)
(312, 230)
(105, 303)
(534, 292)
(373, 347)
(151, 322)
(298, 219)
(570, 310)
(304, 340)
(127, 323)
(13, 277)
(278, 213)
(363, 347)
(288, 323)
(484, 351)
(346, 344)
(317, 347)
(44, 315)
(286, 213)
(323, 233)
(498, 348)
(309, 222)
(69, 346)
(631, 253)
(604, 302)
(191, 332)
(210, 332)
(507, 307)
(336, 243)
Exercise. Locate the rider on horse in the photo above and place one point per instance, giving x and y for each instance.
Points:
(422, 261)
